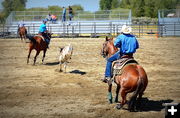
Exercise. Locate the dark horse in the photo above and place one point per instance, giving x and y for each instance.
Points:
(37, 42)
(133, 79)
(22, 33)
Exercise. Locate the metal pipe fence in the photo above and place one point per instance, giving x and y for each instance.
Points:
(123, 14)
(80, 30)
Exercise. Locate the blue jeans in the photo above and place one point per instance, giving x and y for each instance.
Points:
(47, 41)
(114, 57)
(63, 18)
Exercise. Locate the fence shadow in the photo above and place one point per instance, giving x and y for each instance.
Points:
(78, 72)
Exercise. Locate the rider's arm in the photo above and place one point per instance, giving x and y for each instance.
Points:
(117, 42)
(137, 44)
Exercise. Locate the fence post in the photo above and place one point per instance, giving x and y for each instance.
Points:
(116, 29)
(73, 31)
(3, 31)
(174, 29)
(79, 28)
(95, 28)
(33, 29)
(139, 29)
(110, 28)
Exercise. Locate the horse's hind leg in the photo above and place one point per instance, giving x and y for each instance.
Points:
(123, 96)
(44, 54)
(37, 53)
(29, 55)
(132, 102)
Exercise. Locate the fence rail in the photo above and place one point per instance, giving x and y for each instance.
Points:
(92, 30)
(95, 29)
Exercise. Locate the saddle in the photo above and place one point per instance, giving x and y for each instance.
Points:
(40, 37)
(118, 65)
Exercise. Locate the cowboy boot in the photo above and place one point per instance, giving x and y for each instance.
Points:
(105, 79)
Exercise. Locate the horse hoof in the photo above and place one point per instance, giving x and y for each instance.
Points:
(60, 71)
(118, 106)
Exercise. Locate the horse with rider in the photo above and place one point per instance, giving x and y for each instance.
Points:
(123, 69)
(22, 31)
(39, 42)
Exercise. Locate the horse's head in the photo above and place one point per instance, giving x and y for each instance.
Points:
(106, 46)
(49, 35)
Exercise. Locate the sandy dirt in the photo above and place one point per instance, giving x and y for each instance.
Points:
(40, 91)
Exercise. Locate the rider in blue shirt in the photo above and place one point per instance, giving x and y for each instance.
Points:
(43, 31)
(127, 44)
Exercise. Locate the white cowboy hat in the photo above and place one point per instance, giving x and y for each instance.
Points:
(126, 29)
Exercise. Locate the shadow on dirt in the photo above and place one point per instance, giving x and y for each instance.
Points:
(151, 105)
(78, 72)
(52, 63)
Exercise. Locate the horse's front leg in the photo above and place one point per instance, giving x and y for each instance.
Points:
(110, 98)
(37, 53)
(117, 93)
(44, 54)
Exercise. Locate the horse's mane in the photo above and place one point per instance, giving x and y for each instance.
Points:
(31, 38)
(112, 44)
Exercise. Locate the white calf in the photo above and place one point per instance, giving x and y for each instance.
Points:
(65, 55)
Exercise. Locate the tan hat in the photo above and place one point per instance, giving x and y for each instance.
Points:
(126, 29)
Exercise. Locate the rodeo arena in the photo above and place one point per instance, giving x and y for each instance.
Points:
(64, 79)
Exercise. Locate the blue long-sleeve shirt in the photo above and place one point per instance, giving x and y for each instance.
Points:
(64, 11)
(42, 28)
(127, 43)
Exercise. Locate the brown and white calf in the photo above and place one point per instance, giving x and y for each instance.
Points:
(65, 55)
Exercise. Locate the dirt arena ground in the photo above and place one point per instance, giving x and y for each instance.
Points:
(40, 91)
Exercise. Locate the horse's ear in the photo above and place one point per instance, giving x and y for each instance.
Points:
(61, 48)
(107, 38)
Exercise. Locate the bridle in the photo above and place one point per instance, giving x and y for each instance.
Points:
(104, 51)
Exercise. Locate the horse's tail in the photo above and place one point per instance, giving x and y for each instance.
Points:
(139, 88)
(133, 98)
(140, 85)
(31, 38)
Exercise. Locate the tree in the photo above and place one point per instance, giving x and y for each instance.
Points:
(115, 4)
(13, 5)
(138, 7)
(54, 8)
(148, 7)
(77, 8)
(105, 4)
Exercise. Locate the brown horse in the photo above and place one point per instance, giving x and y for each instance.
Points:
(132, 79)
(22, 33)
(37, 42)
